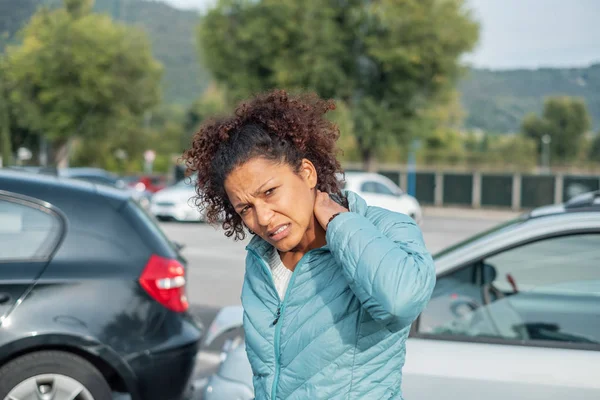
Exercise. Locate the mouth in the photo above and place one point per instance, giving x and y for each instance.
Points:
(279, 232)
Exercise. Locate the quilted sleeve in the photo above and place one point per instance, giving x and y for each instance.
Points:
(389, 270)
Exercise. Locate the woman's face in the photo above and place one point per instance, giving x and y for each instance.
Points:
(274, 201)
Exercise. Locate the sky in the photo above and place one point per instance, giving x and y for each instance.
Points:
(522, 33)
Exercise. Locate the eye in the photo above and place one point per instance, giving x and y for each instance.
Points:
(270, 191)
(244, 210)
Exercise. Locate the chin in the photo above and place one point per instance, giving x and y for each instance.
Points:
(287, 244)
(283, 247)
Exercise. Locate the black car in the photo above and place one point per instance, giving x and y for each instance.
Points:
(92, 295)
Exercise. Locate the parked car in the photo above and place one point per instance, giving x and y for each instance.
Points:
(103, 177)
(92, 295)
(514, 315)
(176, 203)
(380, 191)
(150, 183)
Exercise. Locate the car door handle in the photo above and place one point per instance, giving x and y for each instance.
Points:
(4, 298)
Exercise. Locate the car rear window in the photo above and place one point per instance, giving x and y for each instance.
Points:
(27, 232)
(147, 226)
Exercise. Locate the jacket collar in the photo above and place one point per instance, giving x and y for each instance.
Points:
(263, 248)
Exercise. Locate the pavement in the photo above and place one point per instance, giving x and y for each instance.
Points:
(216, 263)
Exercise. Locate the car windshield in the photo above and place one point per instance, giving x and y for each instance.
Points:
(477, 237)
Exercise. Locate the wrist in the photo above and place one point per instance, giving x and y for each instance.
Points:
(331, 219)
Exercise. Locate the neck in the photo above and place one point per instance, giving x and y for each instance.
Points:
(313, 239)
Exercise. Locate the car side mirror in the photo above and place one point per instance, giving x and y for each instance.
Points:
(488, 273)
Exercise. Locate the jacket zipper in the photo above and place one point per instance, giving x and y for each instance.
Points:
(280, 311)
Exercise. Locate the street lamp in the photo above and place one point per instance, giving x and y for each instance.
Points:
(546, 140)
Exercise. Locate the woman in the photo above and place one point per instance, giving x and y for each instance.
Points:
(331, 284)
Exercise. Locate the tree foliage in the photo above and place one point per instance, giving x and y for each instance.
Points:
(387, 60)
(494, 101)
(5, 139)
(565, 120)
(594, 151)
(171, 32)
(78, 74)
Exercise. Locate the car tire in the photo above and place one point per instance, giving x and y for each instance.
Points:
(58, 364)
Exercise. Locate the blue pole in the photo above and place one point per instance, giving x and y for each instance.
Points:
(412, 169)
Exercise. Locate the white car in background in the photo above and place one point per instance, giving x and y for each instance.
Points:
(176, 203)
(380, 191)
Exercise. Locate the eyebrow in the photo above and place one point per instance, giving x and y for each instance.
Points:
(256, 193)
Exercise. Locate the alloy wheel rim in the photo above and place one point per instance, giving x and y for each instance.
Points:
(49, 387)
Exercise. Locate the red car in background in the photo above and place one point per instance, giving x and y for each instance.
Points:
(151, 183)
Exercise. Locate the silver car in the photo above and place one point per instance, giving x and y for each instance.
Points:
(515, 315)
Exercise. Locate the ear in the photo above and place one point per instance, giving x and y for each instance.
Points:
(309, 173)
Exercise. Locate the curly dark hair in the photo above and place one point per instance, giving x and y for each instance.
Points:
(275, 125)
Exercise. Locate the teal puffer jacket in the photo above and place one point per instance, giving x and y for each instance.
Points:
(340, 331)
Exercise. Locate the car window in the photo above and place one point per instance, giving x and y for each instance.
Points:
(26, 232)
(368, 187)
(383, 189)
(546, 291)
(376, 187)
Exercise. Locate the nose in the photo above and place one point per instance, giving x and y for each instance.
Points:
(264, 214)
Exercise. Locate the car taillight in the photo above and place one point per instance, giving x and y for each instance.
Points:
(164, 280)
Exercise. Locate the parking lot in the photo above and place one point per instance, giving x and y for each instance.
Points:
(216, 263)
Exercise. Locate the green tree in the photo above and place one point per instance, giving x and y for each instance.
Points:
(594, 152)
(212, 103)
(387, 60)
(510, 150)
(5, 143)
(565, 120)
(79, 75)
(162, 132)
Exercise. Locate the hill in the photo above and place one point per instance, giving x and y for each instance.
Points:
(497, 100)
(172, 33)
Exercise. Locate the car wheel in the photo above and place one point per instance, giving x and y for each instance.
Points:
(52, 375)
